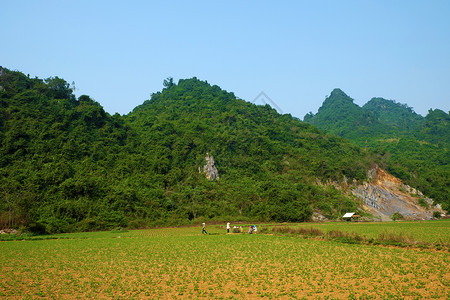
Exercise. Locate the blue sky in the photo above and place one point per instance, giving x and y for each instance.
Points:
(119, 52)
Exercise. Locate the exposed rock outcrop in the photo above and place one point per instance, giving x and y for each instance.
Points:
(9, 231)
(385, 195)
(210, 169)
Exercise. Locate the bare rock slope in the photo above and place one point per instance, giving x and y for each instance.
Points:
(385, 195)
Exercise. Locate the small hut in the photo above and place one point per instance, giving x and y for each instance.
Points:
(351, 216)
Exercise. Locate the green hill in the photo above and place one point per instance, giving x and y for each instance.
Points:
(390, 113)
(67, 165)
(268, 163)
(416, 148)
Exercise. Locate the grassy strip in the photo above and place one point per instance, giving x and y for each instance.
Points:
(385, 238)
(25, 237)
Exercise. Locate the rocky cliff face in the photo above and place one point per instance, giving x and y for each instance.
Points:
(385, 195)
(210, 169)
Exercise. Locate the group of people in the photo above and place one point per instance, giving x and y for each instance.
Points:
(251, 229)
(236, 229)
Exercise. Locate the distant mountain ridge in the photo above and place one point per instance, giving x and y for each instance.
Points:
(394, 114)
(416, 147)
(339, 115)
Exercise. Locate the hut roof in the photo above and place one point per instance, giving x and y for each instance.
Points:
(348, 215)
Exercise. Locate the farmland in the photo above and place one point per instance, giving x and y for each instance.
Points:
(173, 263)
(425, 231)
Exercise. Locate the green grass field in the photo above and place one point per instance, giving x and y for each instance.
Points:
(174, 263)
(426, 231)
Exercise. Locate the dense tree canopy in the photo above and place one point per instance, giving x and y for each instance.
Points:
(67, 165)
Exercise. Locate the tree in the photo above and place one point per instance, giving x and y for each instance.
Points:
(168, 82)
(60, 88)
(8, 199)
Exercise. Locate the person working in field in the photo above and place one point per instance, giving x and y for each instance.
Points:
(204, 228)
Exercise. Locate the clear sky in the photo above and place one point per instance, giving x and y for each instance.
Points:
(119, 52)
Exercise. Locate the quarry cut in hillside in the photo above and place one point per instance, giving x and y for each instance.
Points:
(384, 195)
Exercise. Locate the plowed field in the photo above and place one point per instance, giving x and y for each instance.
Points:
(181, 263)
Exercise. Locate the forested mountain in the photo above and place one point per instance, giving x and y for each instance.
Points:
(56, 154)
(67, 165)
(393, 114)
(416, 148)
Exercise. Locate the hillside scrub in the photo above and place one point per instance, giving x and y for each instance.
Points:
(67, 165)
